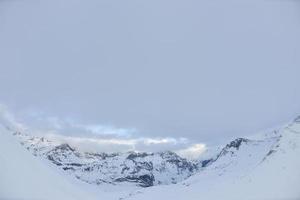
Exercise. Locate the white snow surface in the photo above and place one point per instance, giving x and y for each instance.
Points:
(265, 167)
(23, 176)
(251, 173)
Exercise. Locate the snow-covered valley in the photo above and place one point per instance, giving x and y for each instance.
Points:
(266, 166)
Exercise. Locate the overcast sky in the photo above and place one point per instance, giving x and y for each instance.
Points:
(195, 69)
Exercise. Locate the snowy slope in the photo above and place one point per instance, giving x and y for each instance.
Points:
(254, 170)
(267, 166)
(22, 176)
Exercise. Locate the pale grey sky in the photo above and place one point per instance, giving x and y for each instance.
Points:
(197, 69)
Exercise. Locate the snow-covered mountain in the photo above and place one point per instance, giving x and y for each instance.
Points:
(245, 169)
(142, 169)
(145, 169)
(265, 166)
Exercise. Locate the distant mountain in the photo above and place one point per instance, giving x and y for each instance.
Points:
(142, 169)
(262, 167)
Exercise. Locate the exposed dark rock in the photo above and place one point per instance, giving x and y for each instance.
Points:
(271, 152)
(205, 163)
(53, 160)
(88, 169)
(146, 180)
(68, 168)
(236, 143)
(101, 156)
(135, 155)
(75, 164)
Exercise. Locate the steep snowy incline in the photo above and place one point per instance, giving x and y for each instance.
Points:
(266, 169)
(22, 176)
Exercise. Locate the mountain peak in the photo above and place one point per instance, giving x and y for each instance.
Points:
(64, 147)
(237, 143)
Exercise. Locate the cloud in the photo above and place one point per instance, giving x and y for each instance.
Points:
(193, 151)
(7, 119)
(69, 126)
(97, 137)
(86, 144)
(106, 130)
(110, 145)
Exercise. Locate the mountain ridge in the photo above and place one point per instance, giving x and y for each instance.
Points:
(139, 168)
